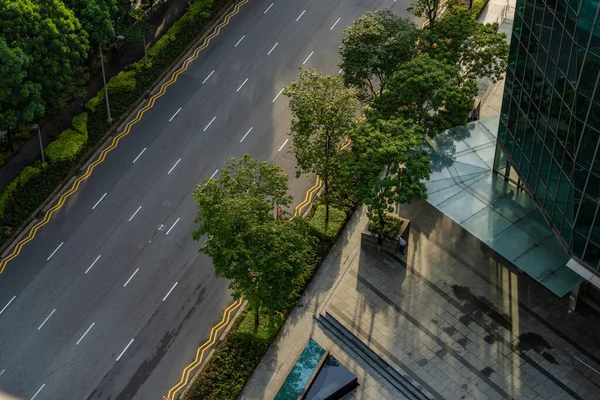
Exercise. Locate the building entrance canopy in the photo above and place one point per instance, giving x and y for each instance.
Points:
(506, 219)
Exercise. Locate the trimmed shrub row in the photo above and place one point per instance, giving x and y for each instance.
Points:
(236, 357)
(391, 226)
(330, 231)
(477, 7)
(33, 186)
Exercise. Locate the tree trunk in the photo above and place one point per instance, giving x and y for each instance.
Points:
(326, 178)
(256, 318)
(9, 139)
(326, 203)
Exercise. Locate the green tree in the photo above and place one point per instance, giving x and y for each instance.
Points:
(263, 258)
(432, 94)
(135, 28)
(95, 18)
(373, 48)
(387, 165)
(52, 37)
(425, 8)
(479, 50)
(323, 113)
(20, 100)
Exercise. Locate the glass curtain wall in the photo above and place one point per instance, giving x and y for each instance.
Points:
(550, 121)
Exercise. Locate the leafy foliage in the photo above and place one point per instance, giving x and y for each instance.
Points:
(95, 17)
(29, 195)
(122, 83)
(387, 166)
(477, 7)
(479, 50)
(51, 36)
(373, 48)
(263, 258)
(234, 361)
(135, 28)
(425, 8)
(20, 99)
(390, 228)
(331, 230)
(25, 176)
(323, 112)
(429, 92)
(80, 123)
(68, 146)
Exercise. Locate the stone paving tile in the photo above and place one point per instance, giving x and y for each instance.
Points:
(465, 325)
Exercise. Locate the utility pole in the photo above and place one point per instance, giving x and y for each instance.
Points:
(105, 88)
(40, 137)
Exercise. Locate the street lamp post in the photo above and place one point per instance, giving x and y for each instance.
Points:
(40, 137)
(105, 88)
(145, 52)
(120, 37)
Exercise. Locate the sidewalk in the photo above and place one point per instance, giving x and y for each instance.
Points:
(452, 317)
(30, 151)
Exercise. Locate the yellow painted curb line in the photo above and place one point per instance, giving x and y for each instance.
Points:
(185, 375)
(88, 172)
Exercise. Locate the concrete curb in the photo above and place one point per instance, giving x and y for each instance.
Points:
(91, 154)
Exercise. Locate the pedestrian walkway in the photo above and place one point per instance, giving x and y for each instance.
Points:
(452, 317)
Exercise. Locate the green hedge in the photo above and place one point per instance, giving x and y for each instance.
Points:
(477, 7)
(94, 101)
(390, 228)
(25, 176)
(80, 123)
(233, 362)
(29, 197)
(25, 196)
(68, 146)
(337, 219)
(121, 84)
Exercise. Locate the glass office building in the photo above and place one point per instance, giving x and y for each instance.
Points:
(550, 122)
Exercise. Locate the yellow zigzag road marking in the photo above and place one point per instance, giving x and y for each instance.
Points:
(88, 172)
(308, 197)
(185, 375)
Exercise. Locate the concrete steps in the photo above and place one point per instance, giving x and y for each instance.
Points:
(397, 380)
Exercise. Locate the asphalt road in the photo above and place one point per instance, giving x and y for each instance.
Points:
(85, 311)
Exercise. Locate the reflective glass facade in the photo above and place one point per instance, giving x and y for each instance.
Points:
(550, 122)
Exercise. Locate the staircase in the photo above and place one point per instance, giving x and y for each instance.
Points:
(398, 381)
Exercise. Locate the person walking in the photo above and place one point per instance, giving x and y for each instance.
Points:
(402, 245)
(379, 242)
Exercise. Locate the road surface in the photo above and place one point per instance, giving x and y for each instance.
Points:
(111, 298)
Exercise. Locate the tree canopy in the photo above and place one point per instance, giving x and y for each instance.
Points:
(387, 166)
(373, 48)
(20, 100)
(263, 258)
(479, 50)
(427, 91)
(95, 17)
(323, 112)
(50, 35)
(425, 8)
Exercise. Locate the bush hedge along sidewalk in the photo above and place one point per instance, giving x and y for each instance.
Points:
(29, 190)
(239, 353)
(337, 219)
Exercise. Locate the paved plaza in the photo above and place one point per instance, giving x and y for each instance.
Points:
(451, 317)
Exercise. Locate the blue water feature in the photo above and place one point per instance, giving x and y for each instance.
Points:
(299, 375)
